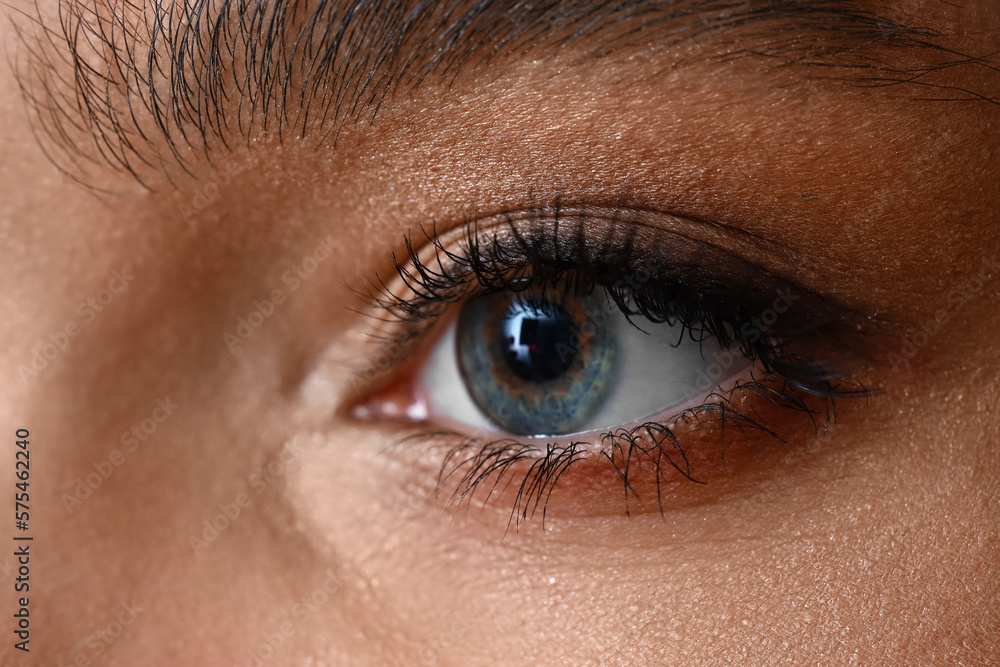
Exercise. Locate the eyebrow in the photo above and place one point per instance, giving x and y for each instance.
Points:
(136, 86)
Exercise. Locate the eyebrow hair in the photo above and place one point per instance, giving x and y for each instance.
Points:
(138, 86)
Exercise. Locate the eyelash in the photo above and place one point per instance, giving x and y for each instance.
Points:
(545, 257)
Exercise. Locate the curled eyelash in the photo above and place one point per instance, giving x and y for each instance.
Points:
(544, 256)
(707, 292)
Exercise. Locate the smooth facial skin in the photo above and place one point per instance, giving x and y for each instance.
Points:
(876, 543)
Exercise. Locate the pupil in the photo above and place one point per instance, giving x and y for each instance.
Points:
(536, 340)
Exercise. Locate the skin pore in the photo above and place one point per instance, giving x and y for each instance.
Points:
(875, 544)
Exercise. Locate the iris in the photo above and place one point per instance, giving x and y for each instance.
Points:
(536, 363)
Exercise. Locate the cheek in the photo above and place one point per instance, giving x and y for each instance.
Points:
(164, 477)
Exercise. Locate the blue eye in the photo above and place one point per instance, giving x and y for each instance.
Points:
(534, 364)
(551, 363)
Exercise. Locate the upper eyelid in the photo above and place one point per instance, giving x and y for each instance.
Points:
(774, 259)
(401, 322)
(430, 248)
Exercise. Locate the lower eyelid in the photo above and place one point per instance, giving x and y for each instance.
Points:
(729, 436)
(692, 458)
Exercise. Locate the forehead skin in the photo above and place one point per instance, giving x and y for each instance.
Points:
(879, 546)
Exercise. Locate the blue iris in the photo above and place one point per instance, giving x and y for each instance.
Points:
(537, 364)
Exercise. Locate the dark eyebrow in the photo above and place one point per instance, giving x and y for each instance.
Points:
(138, 85)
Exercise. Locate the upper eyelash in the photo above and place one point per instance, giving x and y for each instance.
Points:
(490, 262)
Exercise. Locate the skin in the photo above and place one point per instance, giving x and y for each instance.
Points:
(878, 544)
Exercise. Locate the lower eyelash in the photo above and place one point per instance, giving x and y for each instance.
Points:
(494, 466)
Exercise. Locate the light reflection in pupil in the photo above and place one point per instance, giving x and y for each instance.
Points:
(536, 341)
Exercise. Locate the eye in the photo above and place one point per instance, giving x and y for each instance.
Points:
(554, 362)
(606, 353)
